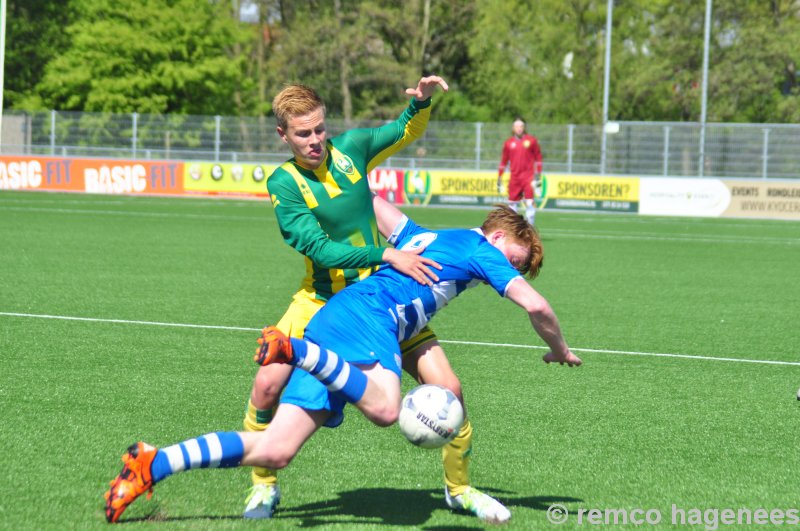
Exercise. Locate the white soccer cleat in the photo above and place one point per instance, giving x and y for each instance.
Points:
(481, 505)
(261, 501)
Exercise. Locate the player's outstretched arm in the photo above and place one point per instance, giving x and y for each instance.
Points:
(544, 321)
(426, 87)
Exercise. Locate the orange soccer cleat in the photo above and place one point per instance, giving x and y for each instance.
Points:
(275, 347)
(132, 482)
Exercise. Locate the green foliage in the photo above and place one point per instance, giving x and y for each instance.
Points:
(752, 53)
(361, 59)
(456, 106)
(34, 36)
(765, 38)
(543, 59)
(156, 56)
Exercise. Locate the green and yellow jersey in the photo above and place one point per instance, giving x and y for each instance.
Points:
(326, 214)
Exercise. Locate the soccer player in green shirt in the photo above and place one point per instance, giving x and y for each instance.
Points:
(323, 205)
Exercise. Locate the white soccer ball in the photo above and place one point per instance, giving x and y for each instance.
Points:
(430, 416)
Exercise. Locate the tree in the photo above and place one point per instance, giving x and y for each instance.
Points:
(35, 35)
(766, 38)
(752, 51)
(542, 60)
(347, 60)
(152, 56)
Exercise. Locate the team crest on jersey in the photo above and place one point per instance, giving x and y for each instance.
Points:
(344, 164)
(527, 144)
(419, 240)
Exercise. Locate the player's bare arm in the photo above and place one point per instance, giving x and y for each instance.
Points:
(407, 262)
(544, 321)
(386, 214)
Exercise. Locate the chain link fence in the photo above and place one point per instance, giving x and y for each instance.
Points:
(637, 148)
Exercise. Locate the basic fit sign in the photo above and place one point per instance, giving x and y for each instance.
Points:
(38, 173)
(97, 176)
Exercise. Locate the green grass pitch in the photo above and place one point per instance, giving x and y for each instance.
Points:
(630, 429)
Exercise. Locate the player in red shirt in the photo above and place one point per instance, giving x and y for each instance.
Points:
(522, 151)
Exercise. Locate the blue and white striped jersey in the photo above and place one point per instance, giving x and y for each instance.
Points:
(467, 259)
(365, 323)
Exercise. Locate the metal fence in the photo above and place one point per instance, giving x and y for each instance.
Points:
(638, 148)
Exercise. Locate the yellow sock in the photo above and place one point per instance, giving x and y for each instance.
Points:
(258, 420)
(455, 457)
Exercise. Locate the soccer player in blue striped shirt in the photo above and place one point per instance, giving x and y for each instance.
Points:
(351, 351)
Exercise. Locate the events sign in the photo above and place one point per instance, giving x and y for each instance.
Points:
(763, 199)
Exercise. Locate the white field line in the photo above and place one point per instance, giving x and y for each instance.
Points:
(568, 233)
(581, 217)
(575, 217)
(125, 321)
(653, 236)
(454, 342)
(627, 353)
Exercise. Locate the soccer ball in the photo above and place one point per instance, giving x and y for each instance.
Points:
(430, 416)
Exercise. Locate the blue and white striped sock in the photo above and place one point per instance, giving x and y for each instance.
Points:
(338, 375)
(214, 450)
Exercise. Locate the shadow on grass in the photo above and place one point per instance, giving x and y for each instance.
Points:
(378, 506)
(400, 507)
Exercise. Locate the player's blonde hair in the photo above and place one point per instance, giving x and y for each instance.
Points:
(519, 231)
(295, 100)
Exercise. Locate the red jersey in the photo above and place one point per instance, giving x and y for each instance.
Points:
(524, 156)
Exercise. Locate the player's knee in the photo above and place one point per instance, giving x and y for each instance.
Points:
(273, 455)
(454, 384)
(279, 460)
(266, 391)
(447, 379)
(384, 415)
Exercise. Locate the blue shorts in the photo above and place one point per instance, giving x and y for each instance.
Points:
(305, 391)
(358, 334)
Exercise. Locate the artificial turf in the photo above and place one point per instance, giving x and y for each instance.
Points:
(659, 417)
